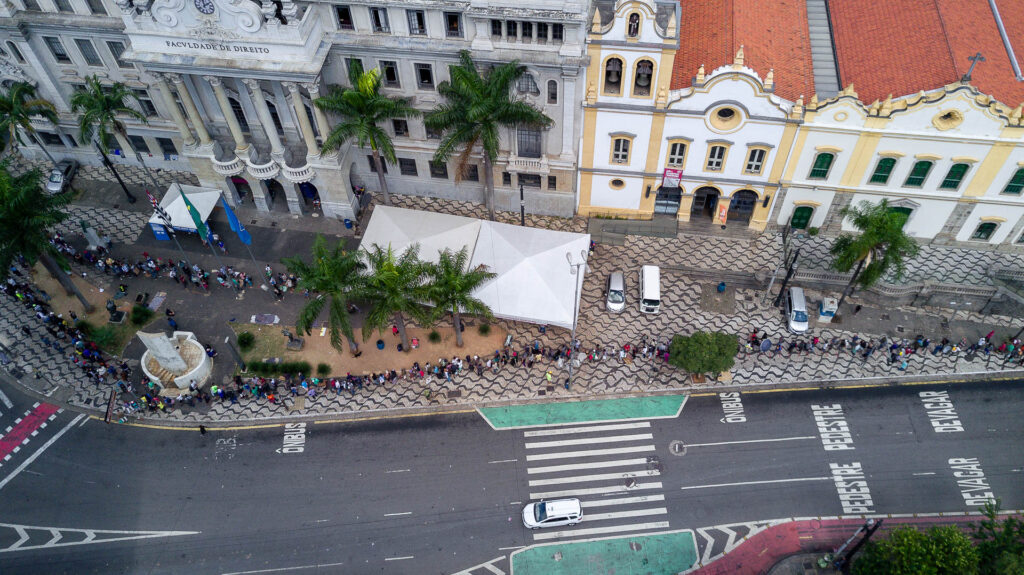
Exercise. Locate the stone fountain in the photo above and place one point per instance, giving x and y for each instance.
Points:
(175, 362)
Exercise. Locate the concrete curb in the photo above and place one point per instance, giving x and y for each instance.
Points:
(399, 412)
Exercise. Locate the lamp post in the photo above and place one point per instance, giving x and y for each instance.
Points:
(574, 270)
(522, 207)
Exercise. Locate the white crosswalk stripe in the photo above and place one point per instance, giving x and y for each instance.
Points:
(617, 489)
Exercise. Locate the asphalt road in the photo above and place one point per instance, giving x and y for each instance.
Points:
(442, 494)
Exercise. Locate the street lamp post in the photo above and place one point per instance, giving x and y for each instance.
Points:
(574, 269)
(522, 207)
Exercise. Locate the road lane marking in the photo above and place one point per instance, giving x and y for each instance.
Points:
(5, 400)
(621, 501)
(596, 477)
(40, 451)
(926, 473)
(590, 440)
(397, 514)
(80, 536)
(970, 478)
(568, 430)
(595, 465)
(589, 452)
(397, 471)
(832, 427)
(757, 482)
(399, 558)
(602, 530)
(852, 486)
(504, 461)
(689, 445)
(317, 566)
(595, 490)
(508, 548)
(623, 514)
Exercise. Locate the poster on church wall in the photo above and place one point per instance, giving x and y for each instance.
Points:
(671, 178)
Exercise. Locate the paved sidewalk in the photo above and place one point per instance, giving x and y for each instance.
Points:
(686, 308)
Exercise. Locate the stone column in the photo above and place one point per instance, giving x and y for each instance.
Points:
(569, 107)
(172, 106)
(322, 123)
(190, 109)
(312, 149)
(276, 147)
(241, 146)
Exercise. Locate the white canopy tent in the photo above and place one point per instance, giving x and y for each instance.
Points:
(204, 199)
(533, 283)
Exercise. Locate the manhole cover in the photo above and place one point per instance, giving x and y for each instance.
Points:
(635, 545)
(542, 392)
(677, 447)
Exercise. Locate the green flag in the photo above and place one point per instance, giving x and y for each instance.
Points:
(192, 211)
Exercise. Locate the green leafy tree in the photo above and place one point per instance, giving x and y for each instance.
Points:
(396, 286)
(880, 248)
(703, 352)
(101, 108)
(26, 216)
(335, 276)
(1000, 544)
(452, 285)
(18, 105)
(476, 108)
(363, 108)
(942, 550)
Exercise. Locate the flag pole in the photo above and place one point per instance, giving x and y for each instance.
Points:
(203, 231)
(167, 224)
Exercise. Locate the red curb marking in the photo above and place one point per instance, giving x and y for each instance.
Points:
(25, 427)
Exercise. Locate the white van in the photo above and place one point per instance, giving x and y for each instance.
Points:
(650, 289)
(796, 310)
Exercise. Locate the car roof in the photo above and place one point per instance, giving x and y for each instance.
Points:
(563, 506)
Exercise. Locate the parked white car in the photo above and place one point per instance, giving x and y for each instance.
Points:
(554, 513)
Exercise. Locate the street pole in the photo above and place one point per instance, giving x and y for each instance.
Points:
(789, 275)
(522, 207)
(785, 256)
(574, 269)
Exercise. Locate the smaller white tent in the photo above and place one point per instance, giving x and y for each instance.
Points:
(400, 228)
(204, 199)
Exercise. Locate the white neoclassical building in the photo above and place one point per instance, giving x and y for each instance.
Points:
(228, 87)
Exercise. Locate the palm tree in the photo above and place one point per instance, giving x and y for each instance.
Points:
(26, 214)
(476, 108)
(363, 107)
(396, 286)
(882, 246)
(17, 107)
(335, 276)
(452, 286)
(100, 108)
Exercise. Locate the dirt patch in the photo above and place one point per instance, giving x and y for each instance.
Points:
(270, 342)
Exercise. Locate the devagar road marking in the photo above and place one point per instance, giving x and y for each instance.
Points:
(941, 412)
(832, 426)
(971, 479)
(765, 482)
(852, 487)
(732, 405)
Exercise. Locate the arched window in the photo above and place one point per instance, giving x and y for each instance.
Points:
(822, 165)
(239, 114)
(275, 117)
(644, 72)
(882, 171)
(633, 28)
(613, 76)
(620, 151)
(954, 176)
(527, 85)
(984, 231)
(552, 92)
(918, 174)
(1016, 183)
(16, 52)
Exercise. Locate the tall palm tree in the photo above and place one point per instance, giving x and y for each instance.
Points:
(335, 276)
(452, 286)
(476, 107)
(101, 108)
(396, 286)
(26, 215)
(882, 246)
(363, 107)
(17, 107)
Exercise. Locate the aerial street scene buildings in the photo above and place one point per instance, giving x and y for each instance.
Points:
(535, 287)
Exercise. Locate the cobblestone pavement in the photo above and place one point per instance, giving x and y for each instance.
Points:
(682, 312)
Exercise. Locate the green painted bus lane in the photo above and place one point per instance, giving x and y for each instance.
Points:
(654, 554)
(589, 411)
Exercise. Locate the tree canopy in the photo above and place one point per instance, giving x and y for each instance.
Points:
(942, 550)
(703, 352)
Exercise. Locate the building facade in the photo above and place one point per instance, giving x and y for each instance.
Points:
(229, 86)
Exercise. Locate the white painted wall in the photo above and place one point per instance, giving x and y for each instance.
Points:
(801, 194)
(1011, 213)
(925, 221)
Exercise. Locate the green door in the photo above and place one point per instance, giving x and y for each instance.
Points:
(801, 217)
(903, 212)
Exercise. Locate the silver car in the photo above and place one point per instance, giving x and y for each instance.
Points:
(61, 176)
(615, 295)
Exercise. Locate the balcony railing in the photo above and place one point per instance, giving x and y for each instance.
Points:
(298, 175)
(263, 171)
(232, 167)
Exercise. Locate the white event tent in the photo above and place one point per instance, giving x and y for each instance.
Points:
(533, 282)
(204, 199)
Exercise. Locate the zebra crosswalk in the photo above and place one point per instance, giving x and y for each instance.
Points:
(611, 468)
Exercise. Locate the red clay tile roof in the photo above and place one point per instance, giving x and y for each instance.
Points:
(900, 47)
(773, 34)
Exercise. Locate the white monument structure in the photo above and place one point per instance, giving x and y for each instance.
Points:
(175, 362)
